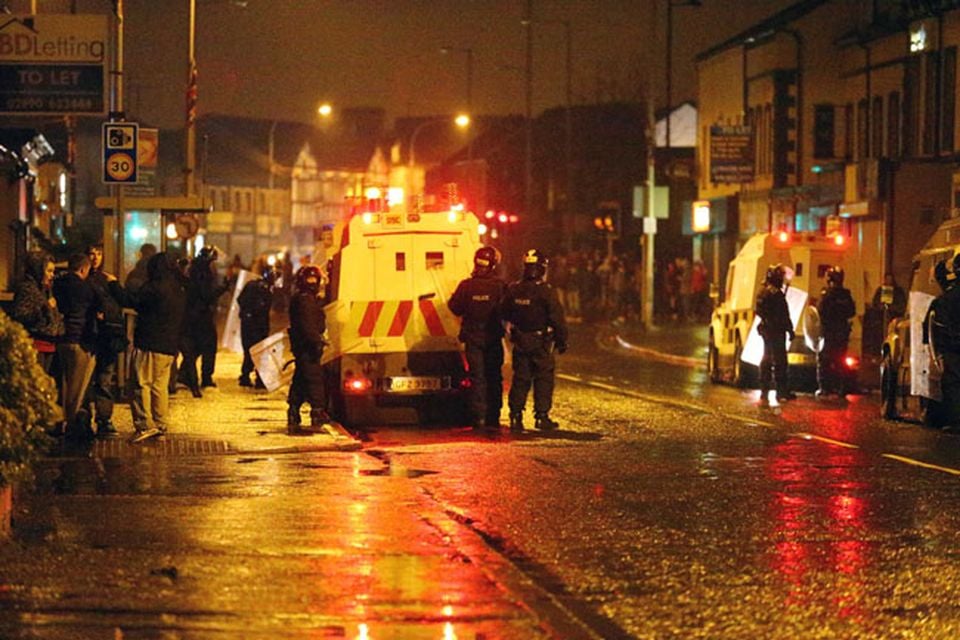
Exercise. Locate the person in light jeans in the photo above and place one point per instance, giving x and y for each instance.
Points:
(160, 306)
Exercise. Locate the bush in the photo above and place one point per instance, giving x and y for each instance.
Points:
(28, 404)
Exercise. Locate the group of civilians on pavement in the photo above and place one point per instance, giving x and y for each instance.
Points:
(592, 287)
(78, 327)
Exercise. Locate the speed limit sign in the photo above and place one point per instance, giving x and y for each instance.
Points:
(120, 142)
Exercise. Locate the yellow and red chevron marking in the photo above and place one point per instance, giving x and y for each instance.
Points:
(391, 318)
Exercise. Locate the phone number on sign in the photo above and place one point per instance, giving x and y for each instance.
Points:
(40, 103)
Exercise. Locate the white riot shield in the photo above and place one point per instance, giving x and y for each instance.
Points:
(231, 328)
(753, 347)
(270, 357)
(812, 329)
(924, 377)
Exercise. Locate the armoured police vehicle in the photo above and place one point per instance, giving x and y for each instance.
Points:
(393, 354)
(909, 376)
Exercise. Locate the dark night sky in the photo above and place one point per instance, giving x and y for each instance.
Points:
(279, 58)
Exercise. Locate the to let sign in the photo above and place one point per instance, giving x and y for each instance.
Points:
(731, 154)
(52, 64)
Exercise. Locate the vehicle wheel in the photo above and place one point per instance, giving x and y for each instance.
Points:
(739, 375)
(713, 362)
(889, 389)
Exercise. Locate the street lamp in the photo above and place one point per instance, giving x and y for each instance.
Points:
(468, 52)
(462, 121)
(669, 88)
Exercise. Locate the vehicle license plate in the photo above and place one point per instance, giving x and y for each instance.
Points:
(414, 384)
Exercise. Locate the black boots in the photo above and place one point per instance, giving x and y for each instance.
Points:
(544, 423)
(516, 422)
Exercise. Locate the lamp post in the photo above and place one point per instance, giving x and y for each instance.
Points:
(468, 52)
(669, 85)
(462, 121)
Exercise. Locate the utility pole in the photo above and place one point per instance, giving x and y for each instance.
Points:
(650, 221)
(528, 112)
(117, 115)
(190, 162)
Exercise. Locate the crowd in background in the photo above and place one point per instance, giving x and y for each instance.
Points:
(595, 286)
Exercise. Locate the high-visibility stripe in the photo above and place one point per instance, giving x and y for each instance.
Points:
(432, 318)
(370, 316)
(400, 318)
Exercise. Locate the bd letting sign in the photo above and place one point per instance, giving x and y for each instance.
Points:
(52, 64)
(731, 154)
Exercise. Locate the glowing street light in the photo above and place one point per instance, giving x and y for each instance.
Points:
(325, 110)
(462, 121)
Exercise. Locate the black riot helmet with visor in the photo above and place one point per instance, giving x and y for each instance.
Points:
(485, 261)
(309, 279)
(835, 276)
(534, 265)
(775, 275)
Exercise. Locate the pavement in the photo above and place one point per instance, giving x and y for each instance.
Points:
(227, 419)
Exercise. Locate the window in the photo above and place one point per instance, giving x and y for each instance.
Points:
(434, 260)
(876, 123)
(823, 130)
(930, 74)
(893, 125)
(402, 261)
(911, 99)
(848, 131)
(863, 141)
(949, 96)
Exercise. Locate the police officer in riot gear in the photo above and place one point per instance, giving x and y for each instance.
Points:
(307, 324)
(537, 324)
(836, 308)
(943, 322)
(775, 326)
(478, 300)
(255, 302)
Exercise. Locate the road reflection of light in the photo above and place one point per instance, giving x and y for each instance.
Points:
(356, 466)
(818, 505)
(448, 632)
(362, 632)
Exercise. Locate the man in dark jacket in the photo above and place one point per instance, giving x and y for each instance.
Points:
(537, 328)
(200, 324)
(36, 309)
(775, 327)
(160, 306)
(478, 300)
(79, 305)
(307, 324)
(111, 340)
(836, 308)
(255, 301)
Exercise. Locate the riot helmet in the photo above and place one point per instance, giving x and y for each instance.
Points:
(208, 253)
(835, 276)
(309, 279)
(485, 260)
(775, 275)
(956, 263)
(534, 265)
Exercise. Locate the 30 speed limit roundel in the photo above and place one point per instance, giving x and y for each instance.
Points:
(120, 166)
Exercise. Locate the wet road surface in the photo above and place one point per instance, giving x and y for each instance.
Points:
(664, 508)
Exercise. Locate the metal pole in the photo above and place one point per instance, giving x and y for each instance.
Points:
(528, 111)
(116, 114)
(649, 247)
(669, 68)
(469, 52)
(191, 112)
(270, 151)
(568, 121)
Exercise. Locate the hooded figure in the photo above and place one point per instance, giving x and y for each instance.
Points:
(160, 306)
(36, 309)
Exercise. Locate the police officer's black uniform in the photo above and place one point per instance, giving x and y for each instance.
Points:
(836, 308)
(532, 308)
(478, 300)
(200, 323)
(775, 326)
(255, 301)
(943, 319)
(307, 324)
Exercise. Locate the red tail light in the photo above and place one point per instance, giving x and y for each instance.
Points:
(357, 384)
(851, 362)
(465, 383)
